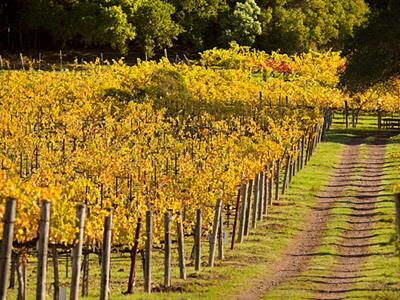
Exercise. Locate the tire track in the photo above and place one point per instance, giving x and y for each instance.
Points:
(297, 256)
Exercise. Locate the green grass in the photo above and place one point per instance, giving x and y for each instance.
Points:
(381, 271)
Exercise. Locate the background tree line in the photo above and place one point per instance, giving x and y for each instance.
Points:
(290, 25)
(366, 30)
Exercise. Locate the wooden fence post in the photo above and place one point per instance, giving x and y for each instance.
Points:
(167, 250)
(397, 200)
(221, 237)
(85, 266)
(248, 206)
(198, 233)
(271, 182)
(105, 258)
(181, 248)
(255, 201)
(22, 277)
(236, 219)
(261, 182)
(13, 270)
(56, 295)
(266, 190)
(214, 233)
(379, 118)
(43, 244)
(242, 219)
(6, 244)
(77, 253)
(149, 245)
(132, 273)
(285, 178)
(303, 145)
(278, 175)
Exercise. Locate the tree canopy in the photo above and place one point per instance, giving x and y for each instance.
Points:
(289, 25)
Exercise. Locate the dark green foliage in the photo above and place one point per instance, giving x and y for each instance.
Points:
(374, 53)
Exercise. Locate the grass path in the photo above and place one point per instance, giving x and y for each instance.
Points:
(355, 240)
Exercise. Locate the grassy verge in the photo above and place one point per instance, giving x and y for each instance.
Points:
(381, 271)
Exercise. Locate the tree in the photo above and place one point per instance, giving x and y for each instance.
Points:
(242, 25)
(199, 20)
(374, 53)
(296, 26)
(154, 25)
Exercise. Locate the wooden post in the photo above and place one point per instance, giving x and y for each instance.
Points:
(56, 295)
(6, 245)
(22, 277)
(346, 111)
(77, 252)
(255, 201)
(197, 250)
(260, 195)
(132, 273)
(181, 248)
(242, 219)
(379, 118)
(397, 200)
(266, 190)
(236, 219)
(285, 178)
(85, 275)
(13, 270)
(22, 61)
(303, 146)
(149, 246)
(271, 182)
(221, 237)
(248, 206)
(43, 244)
(105, 258)
(278, 167)
(167, 250)
(298, 156)
(66, 265)
(213, 240)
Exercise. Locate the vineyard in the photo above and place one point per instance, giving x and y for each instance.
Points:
(105, 157)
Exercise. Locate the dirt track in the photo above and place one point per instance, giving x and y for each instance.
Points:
(363, 174)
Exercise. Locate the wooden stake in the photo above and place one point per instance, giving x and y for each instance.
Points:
(167, 250)
(242, 219)
(132, 273)
(149, 246)
(56, 295)
(236, 219)
(197, 250)
(261, 181)
(255, 201)
(181, 248)
(271, 182)
(213, 241)
(105, 258)
(278, 167)
(77, 252)
(6, 244)
(397, 200)
(248, 207)
(43, 244)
